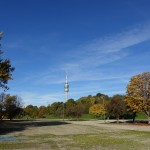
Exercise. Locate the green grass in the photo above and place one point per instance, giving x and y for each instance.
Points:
(120, 140)
(113, 141)
(52, 117)
(86, 117)
(13, 145)
(140, 116)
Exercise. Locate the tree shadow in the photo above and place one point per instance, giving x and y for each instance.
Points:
(137, 122)
(7, 126)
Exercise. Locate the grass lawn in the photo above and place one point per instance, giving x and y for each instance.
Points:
(140, 116)
(75, 136)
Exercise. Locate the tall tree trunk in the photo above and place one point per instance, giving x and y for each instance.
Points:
(118, 119)
(148, 116)
(107, 117)
(134, 115)
(149, 120)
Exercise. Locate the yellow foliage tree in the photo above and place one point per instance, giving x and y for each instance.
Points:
(138, 94)
(97, 110)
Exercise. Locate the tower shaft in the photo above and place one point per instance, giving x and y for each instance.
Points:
(66, 88)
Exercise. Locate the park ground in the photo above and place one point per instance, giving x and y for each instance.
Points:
(73, 135)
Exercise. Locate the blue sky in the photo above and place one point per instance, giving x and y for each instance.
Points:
(101, 44)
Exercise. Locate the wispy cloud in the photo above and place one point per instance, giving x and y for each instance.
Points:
(87, 61)
(117, 42)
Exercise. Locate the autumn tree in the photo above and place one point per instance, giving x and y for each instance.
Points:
(42, 111)
(97, 110)
(69, 107)
(73, 109)
(32, 111)
(5, 70)
(138, 94)
(116, 107)
(12, 106)
(79, 110)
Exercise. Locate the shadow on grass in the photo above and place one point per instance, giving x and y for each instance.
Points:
(130, 122)
(7, 126)
(137, 121)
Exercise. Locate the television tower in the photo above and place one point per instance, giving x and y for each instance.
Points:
(66, 87)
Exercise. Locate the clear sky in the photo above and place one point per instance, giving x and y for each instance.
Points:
(101, 44)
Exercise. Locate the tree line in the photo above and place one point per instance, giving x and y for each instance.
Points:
(99, 106)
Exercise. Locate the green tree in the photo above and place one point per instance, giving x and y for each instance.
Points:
(138, 94)
(87, 102)
(116, 107)
(100, 98)
(55, 107)
(12, 106)
(60, 110)
(49, 109)
(5, 70)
